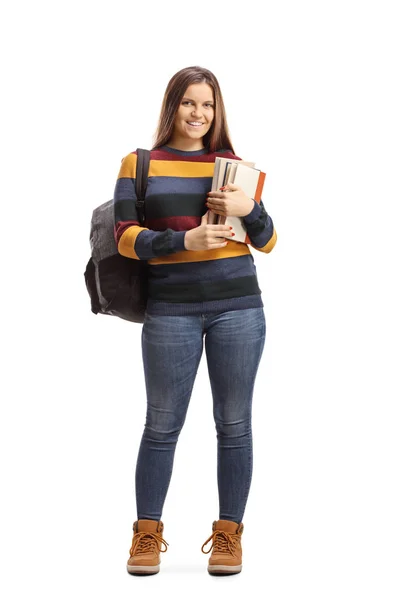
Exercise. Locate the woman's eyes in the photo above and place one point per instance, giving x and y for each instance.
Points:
(188, 102)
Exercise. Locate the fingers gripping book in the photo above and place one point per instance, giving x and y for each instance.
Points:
(248, 178)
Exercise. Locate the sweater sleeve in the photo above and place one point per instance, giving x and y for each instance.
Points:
(133, 240)
(260, 228)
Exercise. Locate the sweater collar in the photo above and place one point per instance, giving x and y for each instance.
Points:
(184, 152)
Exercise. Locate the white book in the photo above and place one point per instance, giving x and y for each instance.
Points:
(220, 179)
(251, 181)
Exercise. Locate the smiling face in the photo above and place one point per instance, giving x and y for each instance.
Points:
(194, 117)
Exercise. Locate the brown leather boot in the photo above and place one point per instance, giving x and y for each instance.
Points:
(226, 557)
(146, 547)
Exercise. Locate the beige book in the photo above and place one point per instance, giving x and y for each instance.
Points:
(251, 181)
(220, 179)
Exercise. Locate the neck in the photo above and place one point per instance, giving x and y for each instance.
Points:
(186, 145)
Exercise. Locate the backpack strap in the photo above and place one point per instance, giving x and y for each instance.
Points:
(142, 171)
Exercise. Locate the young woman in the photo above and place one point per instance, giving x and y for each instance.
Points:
(201, 284)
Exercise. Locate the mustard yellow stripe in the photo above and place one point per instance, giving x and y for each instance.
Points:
(187, 256)
(126, 245)
(268, 247)
(178, 168)
(128, 166)
(167, 168)
(272, 241)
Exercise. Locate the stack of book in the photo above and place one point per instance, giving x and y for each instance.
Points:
(249, 179)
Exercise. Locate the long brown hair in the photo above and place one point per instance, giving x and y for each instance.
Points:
(217, 137)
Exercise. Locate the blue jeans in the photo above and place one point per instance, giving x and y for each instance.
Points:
(172, 347)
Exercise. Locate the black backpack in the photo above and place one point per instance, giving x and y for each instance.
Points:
(117, 285)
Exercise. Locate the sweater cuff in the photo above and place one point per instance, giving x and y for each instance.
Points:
(178, 240)
(254, 214)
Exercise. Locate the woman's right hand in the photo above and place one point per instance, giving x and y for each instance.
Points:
(206, 237)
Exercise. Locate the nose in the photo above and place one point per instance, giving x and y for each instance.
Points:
(196, 112)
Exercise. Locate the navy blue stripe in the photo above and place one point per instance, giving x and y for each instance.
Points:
(210, 290)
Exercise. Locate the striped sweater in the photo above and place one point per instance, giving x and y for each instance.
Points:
(186, 282)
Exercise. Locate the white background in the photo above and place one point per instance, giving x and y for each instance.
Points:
(311, 93)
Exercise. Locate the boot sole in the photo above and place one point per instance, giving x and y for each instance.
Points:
(224, 569)
(142, 570)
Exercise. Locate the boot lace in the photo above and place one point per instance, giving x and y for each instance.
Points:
(222, 542)
(146, 541)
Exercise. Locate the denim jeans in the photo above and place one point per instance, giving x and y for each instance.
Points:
(172, 347)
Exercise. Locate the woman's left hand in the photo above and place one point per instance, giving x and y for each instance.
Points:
(232, 202)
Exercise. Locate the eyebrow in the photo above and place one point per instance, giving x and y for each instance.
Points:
(191, 99)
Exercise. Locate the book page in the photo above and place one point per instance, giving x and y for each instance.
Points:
(251, 181)
(218, 178)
